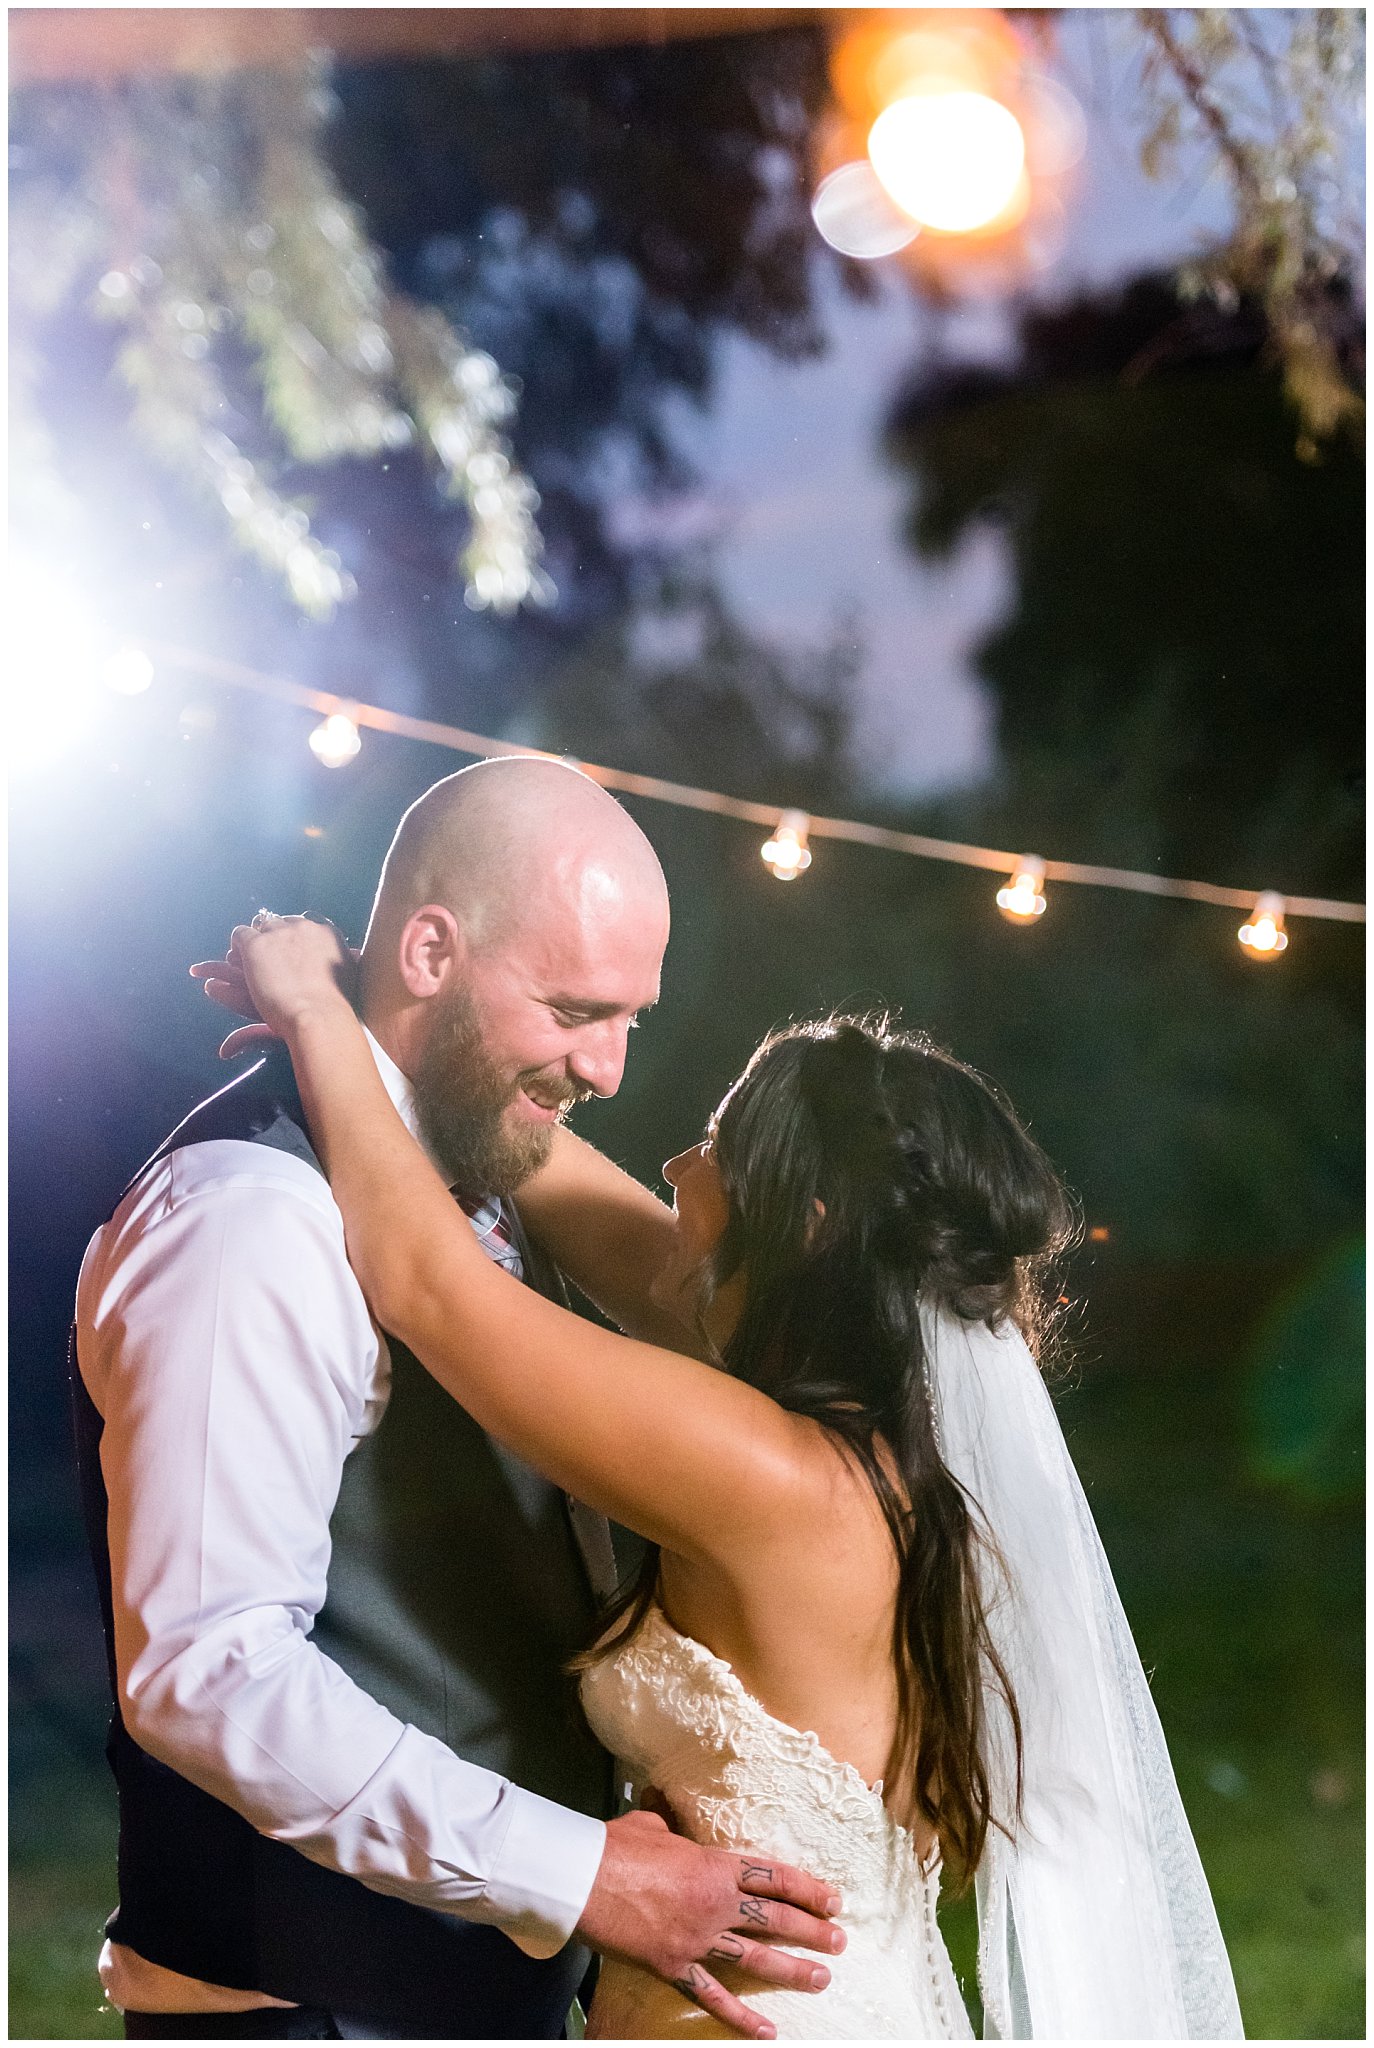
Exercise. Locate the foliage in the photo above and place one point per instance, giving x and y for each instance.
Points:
(1307, 1397)
(202, 217)
(1182, 582)
(594, 218)
(1273, 95)
(1176, 686)
(600, 220)
(675, 687)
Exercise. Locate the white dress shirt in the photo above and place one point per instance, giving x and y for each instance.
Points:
(226, 1344)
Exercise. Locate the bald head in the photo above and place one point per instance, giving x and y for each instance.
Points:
(510, 840)
(518, 930)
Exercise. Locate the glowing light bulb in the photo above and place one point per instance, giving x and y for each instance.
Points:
(1264, 937)
(337, 741)
(1020, 900)
(953, 160)
(129, 671)
(786, 855)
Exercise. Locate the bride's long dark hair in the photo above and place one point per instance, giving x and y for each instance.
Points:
(868, 1172)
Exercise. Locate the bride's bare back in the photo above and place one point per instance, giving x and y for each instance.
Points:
(806, 1619)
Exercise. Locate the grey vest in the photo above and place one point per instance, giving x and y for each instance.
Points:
(457, 1592)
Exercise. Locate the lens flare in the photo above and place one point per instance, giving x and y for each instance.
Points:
(932, 60)
(1055, 126)
(954, 161)
(855, 215)
(129, 672)
(52, 687)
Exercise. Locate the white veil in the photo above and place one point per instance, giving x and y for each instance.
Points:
(1095, 1921)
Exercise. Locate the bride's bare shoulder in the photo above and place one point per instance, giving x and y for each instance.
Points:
(846, 1494)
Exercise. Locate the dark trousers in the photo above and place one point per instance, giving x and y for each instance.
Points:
(263, 2023)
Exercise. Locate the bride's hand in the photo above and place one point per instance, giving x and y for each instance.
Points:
(275, 971)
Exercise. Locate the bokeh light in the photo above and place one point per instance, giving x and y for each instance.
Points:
(1054, 125)
(953, 160)
(933, 60)
(336, 741)
(786, 855)
(1021, 900)
(1263, 935)
(856, 216)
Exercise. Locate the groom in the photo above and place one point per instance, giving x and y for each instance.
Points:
(357, 1799)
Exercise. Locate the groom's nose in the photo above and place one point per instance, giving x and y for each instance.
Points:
(598, 1061)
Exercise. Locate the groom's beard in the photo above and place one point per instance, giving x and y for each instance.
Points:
(462, 1100)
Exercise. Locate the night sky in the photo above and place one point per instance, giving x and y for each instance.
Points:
(794, 487)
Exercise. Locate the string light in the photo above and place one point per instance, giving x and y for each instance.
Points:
(1020, 900)
(792, 829)
(786, 855)
(1264, 937)
(336, 741)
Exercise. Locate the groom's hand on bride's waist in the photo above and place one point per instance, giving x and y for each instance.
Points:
(680, 1910)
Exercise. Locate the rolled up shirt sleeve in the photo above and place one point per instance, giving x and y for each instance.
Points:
(228, 1348)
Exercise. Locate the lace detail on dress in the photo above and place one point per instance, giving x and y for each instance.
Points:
(681, 1719)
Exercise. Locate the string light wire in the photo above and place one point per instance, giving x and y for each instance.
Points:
(215, 669)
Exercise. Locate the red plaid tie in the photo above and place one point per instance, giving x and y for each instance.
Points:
(494, 1234)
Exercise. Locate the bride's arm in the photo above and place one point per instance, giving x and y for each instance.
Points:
(674, 1449)
(609, 1235)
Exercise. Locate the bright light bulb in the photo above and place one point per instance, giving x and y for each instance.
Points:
(337, 741)
(1264, 937)
(786, 855)
(129, 671)
(1020, 899)
(952, 160)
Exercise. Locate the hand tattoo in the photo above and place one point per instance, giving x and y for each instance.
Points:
(754, 1911)
(762, 1873)
(727, 1948)
(693, 1983)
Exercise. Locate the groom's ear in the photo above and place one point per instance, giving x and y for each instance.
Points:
(432, 946)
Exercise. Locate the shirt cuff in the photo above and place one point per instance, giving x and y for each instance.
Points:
(544, 1873)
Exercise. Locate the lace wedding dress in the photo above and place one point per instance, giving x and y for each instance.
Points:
(681, 1720)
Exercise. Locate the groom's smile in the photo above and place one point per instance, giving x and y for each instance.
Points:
(520, 952)
(551, 1100)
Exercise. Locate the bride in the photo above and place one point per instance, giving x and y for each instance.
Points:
(875, 1633)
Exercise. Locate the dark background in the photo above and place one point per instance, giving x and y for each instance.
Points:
(1175, 686)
